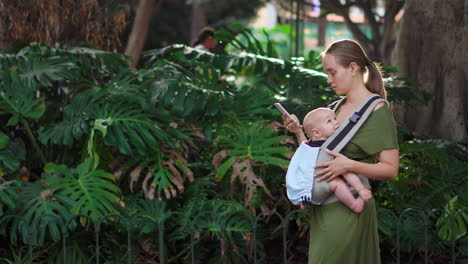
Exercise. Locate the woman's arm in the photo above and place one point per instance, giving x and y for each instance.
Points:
(293, 125)
(387, 168)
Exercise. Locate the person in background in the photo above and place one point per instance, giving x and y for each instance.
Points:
(204, 40)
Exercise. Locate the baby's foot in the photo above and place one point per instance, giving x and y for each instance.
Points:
(365, 194)
(358, 205)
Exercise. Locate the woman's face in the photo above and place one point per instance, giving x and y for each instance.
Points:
(339, 77)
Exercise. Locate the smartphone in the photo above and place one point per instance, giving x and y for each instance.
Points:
(282, 110)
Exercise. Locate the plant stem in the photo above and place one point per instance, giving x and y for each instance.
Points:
(181, 253)
(33, 140)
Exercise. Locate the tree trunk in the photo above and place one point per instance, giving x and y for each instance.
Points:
(137, 38)
(388, 41)
(432, 50)
(198, 20)
(322, 30)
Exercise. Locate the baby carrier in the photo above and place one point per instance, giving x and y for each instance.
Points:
(301, 186)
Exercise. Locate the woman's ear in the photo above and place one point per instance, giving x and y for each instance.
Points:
(354, 68)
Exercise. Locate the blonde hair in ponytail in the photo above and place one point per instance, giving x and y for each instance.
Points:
(347, 51)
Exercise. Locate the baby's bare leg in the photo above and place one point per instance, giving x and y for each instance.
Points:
(356, 183)
(342, 192)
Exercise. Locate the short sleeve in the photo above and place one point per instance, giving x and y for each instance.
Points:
(376, 134)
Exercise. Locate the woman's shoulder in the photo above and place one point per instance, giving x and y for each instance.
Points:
(382, 109)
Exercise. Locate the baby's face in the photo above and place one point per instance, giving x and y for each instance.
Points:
(325, 123)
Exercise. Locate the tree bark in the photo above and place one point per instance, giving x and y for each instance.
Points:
(432, 50)
(322, 30)
(392, 8)
(198, 20)
(137, 38)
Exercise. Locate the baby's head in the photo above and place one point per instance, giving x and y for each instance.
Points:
(320, 123)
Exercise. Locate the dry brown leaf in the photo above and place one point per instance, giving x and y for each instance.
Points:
(167, 193)
(148, 193)
(189, 175)
(121, 203)
(134, 175)
(176, 178)
(243, 170)
(118, 173)
(46, 194)
(250, 242)
(277, 126)
(289, 140)
(222, 244)
(173, 191)
(196, 131)
(193, 147)
(219, 157)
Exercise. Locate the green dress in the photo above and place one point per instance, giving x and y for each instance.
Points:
(337, 234)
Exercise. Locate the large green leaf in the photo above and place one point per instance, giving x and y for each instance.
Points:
(19, 98)
(128, 127)
(94, 192)
(4, 140)
(453, 222)
(147, 214)
(77, 119)
(11, 157)
(8, 195)
(41, 215)
(46, 70)
(257, 142)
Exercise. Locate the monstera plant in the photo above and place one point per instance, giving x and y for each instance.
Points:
(83, 132)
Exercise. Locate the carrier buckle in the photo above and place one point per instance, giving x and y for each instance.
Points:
(355, 117)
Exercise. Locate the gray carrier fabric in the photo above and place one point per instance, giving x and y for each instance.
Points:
(321, 193)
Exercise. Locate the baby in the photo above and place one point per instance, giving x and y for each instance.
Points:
(319, 124)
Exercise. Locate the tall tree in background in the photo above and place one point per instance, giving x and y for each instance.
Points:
(175, 21)
(137, 38)
(198, 17)
(380, 45)
(432, 50)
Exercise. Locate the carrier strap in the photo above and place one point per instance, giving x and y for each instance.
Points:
(349, 127)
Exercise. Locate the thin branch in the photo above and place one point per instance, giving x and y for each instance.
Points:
(370, 17)
(336, 7)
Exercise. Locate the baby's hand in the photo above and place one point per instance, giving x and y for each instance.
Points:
(365, 194)
(291, 123)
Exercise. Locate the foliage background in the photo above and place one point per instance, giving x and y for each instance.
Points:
(191, 137)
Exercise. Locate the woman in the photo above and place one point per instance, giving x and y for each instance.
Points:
(337, 234)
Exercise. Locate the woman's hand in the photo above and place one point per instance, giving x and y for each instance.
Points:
(334, 168)
(292, 123)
